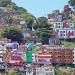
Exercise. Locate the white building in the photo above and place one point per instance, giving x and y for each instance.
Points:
(74, 56)
(58, 25)
(45, 71)
(49, 70)
(40, 71)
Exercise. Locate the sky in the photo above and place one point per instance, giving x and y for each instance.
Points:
(41, 7)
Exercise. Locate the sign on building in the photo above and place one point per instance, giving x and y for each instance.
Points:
(15, 60)
(29, 57)
(44, 59)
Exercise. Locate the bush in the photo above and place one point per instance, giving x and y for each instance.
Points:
(13, 33)
(11, 72)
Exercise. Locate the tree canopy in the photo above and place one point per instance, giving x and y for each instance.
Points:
(13, 33)
(42, 22)
(15, 7)
(29, 18)
(4, 3)
(72, 3)
(43, 29)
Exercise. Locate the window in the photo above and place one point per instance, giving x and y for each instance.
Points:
(50, 60)
(65, 60)
(69, 31)
(59, 56)
(68, 60)
(69, 56)
(59, 23)
(72, 52)
(64, 34)
(59, 26)
(50, 52)
(63, 31)
(58, 52)
(56, 23)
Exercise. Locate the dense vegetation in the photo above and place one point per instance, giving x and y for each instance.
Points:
(40, 24)
(13, 33)
(72, 3)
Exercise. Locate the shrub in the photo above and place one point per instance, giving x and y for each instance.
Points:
(11, 72)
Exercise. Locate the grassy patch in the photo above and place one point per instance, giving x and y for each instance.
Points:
(69, 44)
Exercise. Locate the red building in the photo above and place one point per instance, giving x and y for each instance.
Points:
(61, 55)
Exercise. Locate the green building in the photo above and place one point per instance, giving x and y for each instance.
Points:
(29, 57)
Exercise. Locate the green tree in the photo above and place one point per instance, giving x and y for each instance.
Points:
(35, 24)
(11, 72)
(29, 19)
(22, 10)
(19, 9)
(4, 3)
(62, 71)
(12, 5)
(72, 3)
(43, 35)
(43, 30)
(42, 22)
(13, 33)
